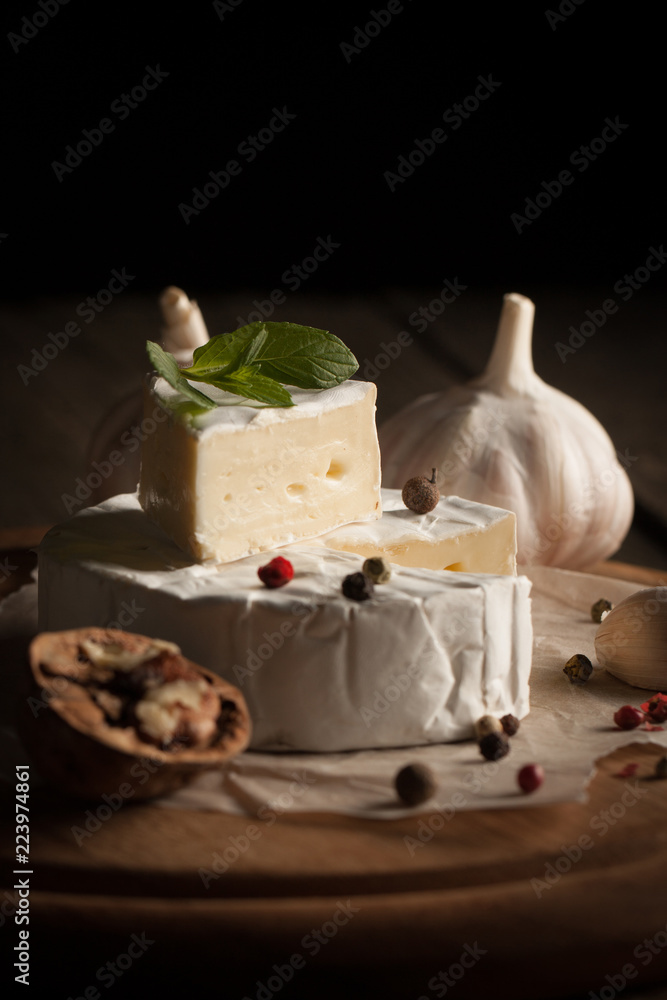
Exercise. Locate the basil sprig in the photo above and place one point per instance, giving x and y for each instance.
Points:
(257, 361)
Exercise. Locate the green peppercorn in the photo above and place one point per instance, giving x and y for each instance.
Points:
(601, 609)
(377, 569)
(578, 668)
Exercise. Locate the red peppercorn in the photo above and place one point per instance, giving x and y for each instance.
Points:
(656, 708)
(276, 573)
(628, 717)
(530, 777)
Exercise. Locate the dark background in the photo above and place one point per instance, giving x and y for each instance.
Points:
(323, 174)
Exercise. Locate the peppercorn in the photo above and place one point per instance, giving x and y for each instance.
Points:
(628, 717)
(656, 708)
(415, 784)
(530, 777)
(377, 569)
(601, 609)
(493, 746)
(358, 587)
(510, 725)
(421, 494)
(578, 668)
(487, 724)
(276, 573)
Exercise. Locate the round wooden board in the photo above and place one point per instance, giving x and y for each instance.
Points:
(566, 893)
(522, 903)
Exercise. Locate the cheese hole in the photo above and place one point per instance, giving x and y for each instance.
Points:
(295, 489)
(335, 470)
(455, 567)
(227, 497)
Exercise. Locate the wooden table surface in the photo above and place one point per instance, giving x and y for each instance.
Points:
(397, 921)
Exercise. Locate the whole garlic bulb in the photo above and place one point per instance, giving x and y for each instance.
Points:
(510, 440)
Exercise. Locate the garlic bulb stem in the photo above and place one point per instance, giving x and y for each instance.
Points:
(184, 328)
(510, 371)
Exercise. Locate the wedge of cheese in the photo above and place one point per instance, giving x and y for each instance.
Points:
(239, 480)
(457, 535)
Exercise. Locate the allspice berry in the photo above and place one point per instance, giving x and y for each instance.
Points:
(415, 784)
(421, 494)
(510, 725)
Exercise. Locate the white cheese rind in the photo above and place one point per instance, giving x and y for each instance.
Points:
(418, 663)
(239, 480)
(458, 534)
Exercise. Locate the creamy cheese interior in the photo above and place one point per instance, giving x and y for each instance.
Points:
(240, 480)
(457, 535)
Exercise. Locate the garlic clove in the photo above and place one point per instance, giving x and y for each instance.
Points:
(510, 440)
(631, 641)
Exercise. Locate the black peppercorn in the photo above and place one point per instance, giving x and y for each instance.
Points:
(493, 746)
(358, 587)
(415, 784)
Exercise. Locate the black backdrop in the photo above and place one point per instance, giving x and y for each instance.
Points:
(358, 84)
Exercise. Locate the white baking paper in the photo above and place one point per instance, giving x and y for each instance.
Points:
(568, 729)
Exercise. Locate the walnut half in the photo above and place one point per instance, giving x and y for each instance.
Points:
(118, 703)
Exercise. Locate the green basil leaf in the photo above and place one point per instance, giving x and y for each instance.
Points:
(166, 366)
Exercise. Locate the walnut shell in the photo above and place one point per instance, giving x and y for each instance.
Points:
(65, 723)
